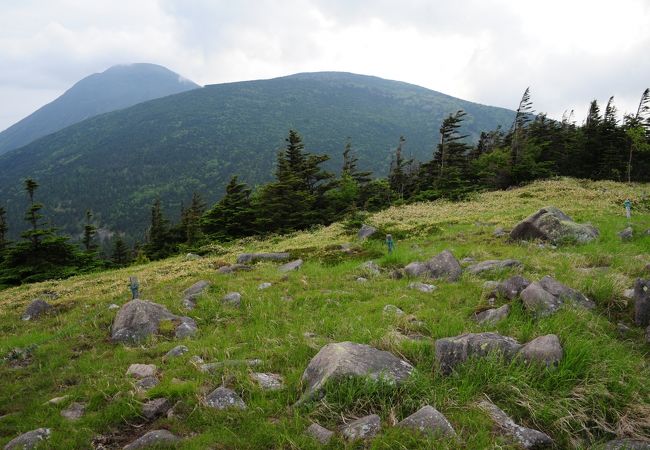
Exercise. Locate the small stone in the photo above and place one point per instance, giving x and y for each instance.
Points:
(36, 309)
(211, 367)
(141, 370)
(539, 301)
(264, 286)
(455, 350)
(232, 298)
(628, 293)
(397, 274)
(543, 349)
(392, 309)
(642, 303)
(365, 232)
(268, 381)
(363, 428)
(234, 268)
(155, 437)
(321, 434)
(499, 232)
(371, 268)
(428, 420)
(493, 264)
(192, 257)
(625, 444)
(147, 383)
(362, 280)
(422, 287)
(176, 351)
(627, 234)
(29, 440)
(75, 411)
(57, 400)
(223, 398)
(291, 266)
(246, 258)
(492, 316)
(623, 330)
(196, 360)
(113, 306)
(187, 328)
(526, 437)
(466, 261)
(156, 407)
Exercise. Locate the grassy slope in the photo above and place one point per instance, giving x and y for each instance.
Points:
(599, 390)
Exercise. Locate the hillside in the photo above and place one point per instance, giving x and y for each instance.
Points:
(116, 88)
(598, 390)
(119, 162)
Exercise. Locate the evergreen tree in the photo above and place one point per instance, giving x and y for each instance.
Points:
(90, 231)
(33, 216)
(159, 245)
(518, 131)
(120, 255)
(350, 166)
(398, 178)
(190, 225)
(233, 216)
(3, 231)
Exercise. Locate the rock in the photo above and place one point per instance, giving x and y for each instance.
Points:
(455, 350)
(366, 231)
(499, 232)
(176, 351)
(192, 293)
(396, 274)
(363, 428)
(196, 360)
(565, 293)
(361, 280)
(493, 264)
(428, 420)
(543, 349)
(371, 267)
(625, 444)
(441, 266)
(321, 434)
(492, 316)
(344, 359)
(415, 269)
(223, 398)
(539, 301)
(422, 287)
(508, 289)
(268, 381)
(627, 234)
(57, 400)
(28, 440)
(75, 411)
(264, 286)
(36, 309)
(138, 319)
(551, 224)
(211, 367)
(113, 306)
(140, 371)
(186, 328)
(156, 407)
(192, 257)
(525, 437)
(246, 258)
(623, 330)
(155, 437)
(467, 261)
(642, 302)
(291, 266)
(234, 268)
(232, 298)
(147, 383)
(392, 309)
(628, 293)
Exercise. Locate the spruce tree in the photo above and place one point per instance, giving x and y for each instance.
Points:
(191, 221)
(90, 230)
(350, 166)
(398, 178)
(159, 244)
(120, 255)
(518, 130)
(3, 231)
(233, 216)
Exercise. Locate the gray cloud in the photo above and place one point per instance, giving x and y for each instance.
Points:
(485, 51)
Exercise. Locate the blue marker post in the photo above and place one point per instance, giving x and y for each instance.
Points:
(390, 243)
(134, 286)
(628, 208)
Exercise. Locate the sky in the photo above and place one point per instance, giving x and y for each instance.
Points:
(568, 51)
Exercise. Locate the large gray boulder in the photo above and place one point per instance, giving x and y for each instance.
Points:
(366, 231)
(29, 440)
(543, 349)
(565, 293)
(291, 266)
(642, 302)
(455, 350)
(442, 266)
(36, 309)
(547, 296)
(346, 359)
(493, 264)
(525, 437)
(321, 434)
(246, 258)
(363, 428)
(155, 437)
(428, 420)
(138, 319)
(551, 224)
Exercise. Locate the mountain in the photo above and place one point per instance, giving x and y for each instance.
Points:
(117, 163)
(116, 88)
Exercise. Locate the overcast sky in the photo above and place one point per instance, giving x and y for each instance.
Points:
(568, 51)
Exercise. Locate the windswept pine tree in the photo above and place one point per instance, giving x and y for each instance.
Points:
(518, 131)
(232, 217)
(350, 166)
(158, 244)
(120, 256)
(190, 225)
(90, 230)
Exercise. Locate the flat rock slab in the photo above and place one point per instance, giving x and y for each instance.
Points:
(365, 232)
(321, 434)
(525, 437)
(422, 287)
(155, 437)
(232, 299)
(627, 234)
(428, 420)
(36, 309)
(223, 398)
(493, 264)
(29, 440)
(394, 310)
(641, 297)
(268, 381)
(140, 371)
(492, 316)
(291, 266)
(234, 268)
(246, 258)
(344, 359)
(442, 266)
(75, 411)
(363, 428)
(263, 286)
(155, 408)
(453, 351)
(177, 351)
(543, 349)
(625, 444)
(139, 319)
(147, 383)
(553, 225)
(192, 293)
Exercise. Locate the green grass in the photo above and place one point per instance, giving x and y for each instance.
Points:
(598, 391)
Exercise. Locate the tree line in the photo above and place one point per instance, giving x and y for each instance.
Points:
(304, 194)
